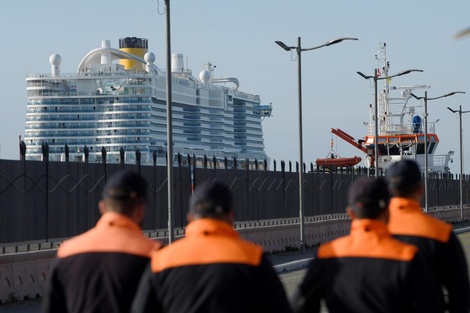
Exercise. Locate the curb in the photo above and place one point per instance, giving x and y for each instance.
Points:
(462, 230)
(301, 264)
(291, 266)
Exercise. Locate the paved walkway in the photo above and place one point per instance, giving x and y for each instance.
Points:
(282, 262)
(293, 260)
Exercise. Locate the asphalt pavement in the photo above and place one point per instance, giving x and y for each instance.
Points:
(291, 267)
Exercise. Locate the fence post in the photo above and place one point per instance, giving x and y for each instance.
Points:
(205, 166)
(67, 154)
(180, 179)
(247, 175)
(45, 155)
(138, 158)
(103, 160)
(22, 150)
(87, 154)
(23, 158)
(122, 154)
(193, 173)
(283, 172)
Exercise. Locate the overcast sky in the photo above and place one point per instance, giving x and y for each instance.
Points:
(238, 37)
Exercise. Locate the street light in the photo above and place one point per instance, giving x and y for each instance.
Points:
(169, 126)
(463, 33)
(299, 50)
(461, 157)
(426, 99)
(376, 110)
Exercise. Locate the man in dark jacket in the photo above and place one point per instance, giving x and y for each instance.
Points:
(433, 237)
(212, 269)
(99, 270)
(368, 271)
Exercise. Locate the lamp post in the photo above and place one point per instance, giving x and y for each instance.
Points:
(169, 126)
(461, 156)
(426, 99)
(299, 51)
(376, 110)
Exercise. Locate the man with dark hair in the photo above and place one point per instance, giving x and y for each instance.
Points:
(433, 237)
(212, 269)
(368, 270)
(99, 270)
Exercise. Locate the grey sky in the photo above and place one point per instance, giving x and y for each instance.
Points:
(238, 37)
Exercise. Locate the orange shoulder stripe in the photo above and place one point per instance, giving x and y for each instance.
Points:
(203, 250)
(387, 248)
(420, 225)
(112, 240)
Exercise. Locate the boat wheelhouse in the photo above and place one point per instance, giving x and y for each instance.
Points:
(401, 132)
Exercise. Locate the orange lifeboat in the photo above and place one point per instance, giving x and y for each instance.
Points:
(338, 162)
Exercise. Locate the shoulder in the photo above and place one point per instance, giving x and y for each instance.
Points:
(387, 248)
(120, 242)
(421, 225)
(205, 251)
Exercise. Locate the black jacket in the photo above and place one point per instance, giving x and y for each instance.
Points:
(440, 246)
(210, 270)
(99, 271)
(368, 272)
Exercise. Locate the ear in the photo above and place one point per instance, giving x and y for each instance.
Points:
(189, 217)
(350, 212)
(385, 216)
(231, 217)
(139, 214)
(102, 206)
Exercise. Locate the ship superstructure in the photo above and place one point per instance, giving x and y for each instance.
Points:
(400, 127)
(116, 101)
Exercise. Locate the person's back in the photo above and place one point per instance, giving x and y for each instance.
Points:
(212, 269)
(368, 270)
(433, 237)
(99, 270)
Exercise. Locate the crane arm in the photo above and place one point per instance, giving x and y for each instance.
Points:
(348, 138)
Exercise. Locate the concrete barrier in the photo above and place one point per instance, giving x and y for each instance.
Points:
(24, 275)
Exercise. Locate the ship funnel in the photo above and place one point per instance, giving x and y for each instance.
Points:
(135, 46)
(105, 55)
(177, 64)
(55, 61)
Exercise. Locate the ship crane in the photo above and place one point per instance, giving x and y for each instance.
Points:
(350, 139)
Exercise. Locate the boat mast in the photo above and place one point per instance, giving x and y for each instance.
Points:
(383, 101)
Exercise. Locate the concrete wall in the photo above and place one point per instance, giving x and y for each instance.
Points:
(24, 275)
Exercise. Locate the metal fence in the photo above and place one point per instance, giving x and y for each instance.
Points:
(40, 200)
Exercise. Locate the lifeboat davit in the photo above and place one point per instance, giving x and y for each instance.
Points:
(338, 162)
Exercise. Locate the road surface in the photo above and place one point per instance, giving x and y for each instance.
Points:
(290, 281)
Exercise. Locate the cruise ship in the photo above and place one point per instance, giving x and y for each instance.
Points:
(116, 103)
